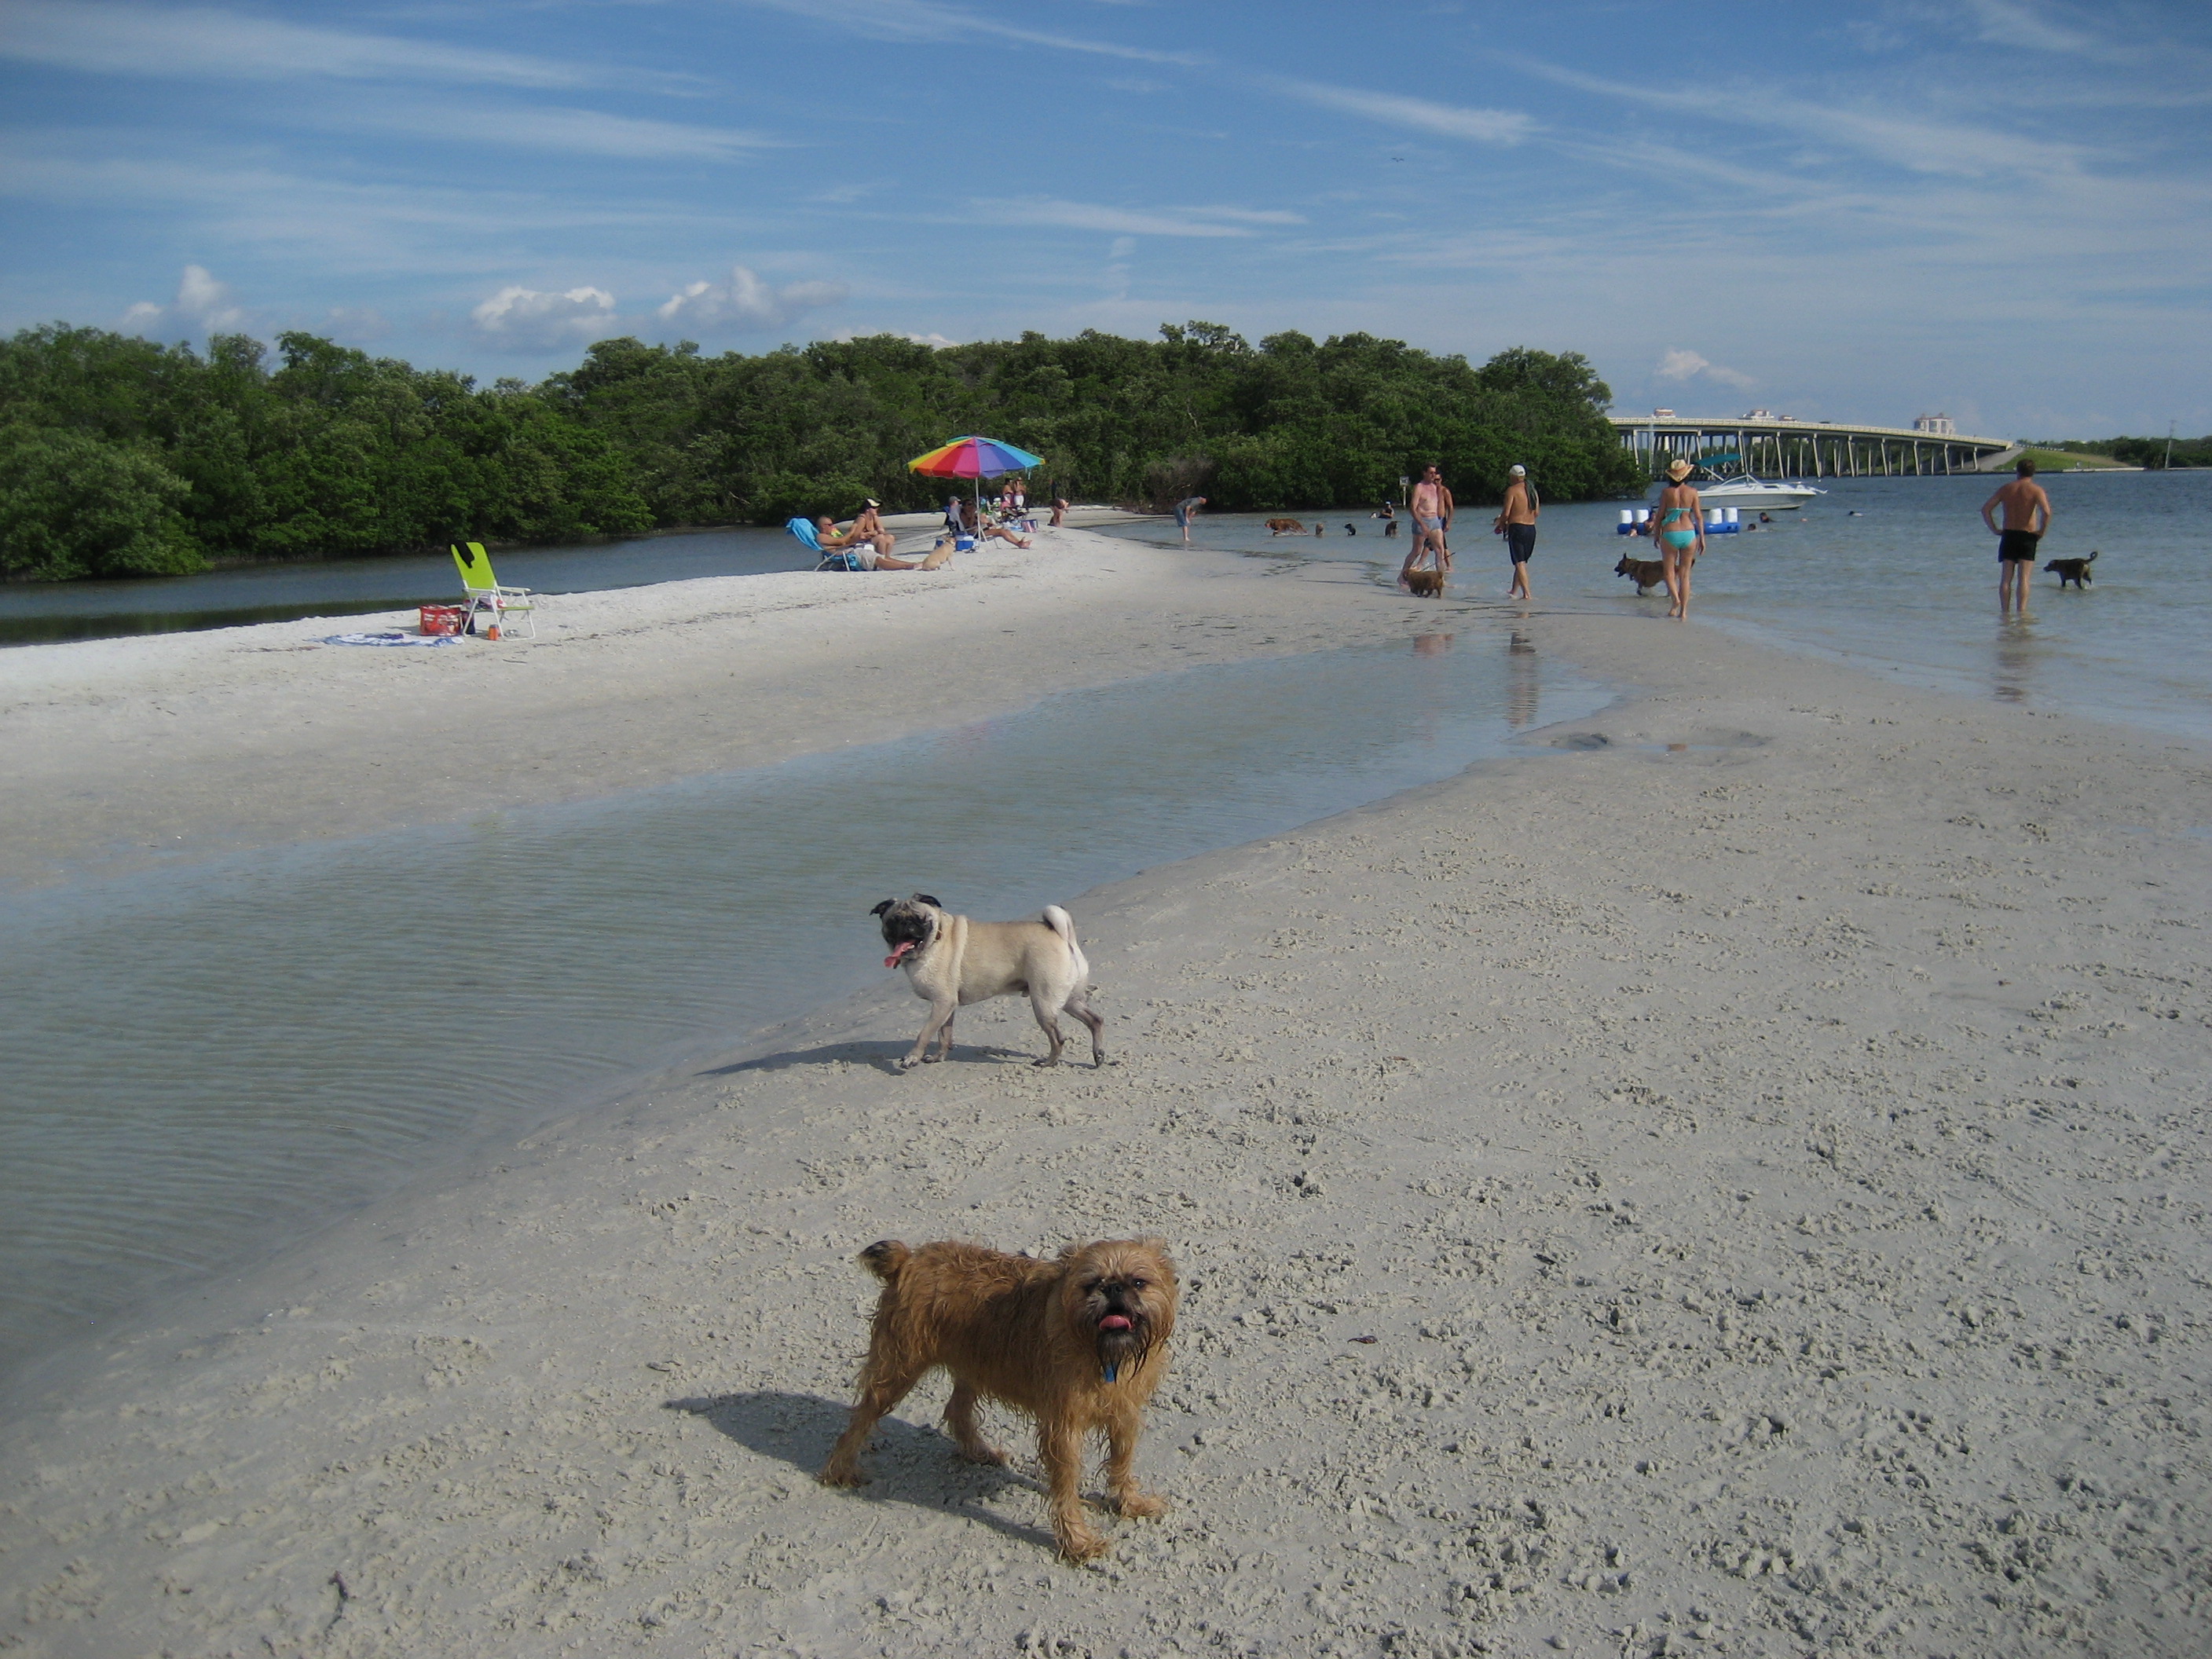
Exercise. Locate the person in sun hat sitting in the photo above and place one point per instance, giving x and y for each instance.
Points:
(871, 526)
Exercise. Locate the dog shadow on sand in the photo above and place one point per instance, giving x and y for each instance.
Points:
(881, 1056)
(907, 1463)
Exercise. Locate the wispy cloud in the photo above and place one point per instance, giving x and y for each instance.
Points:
(1679, 365)
(928, 20)
(570, 132)
(746, 302)
(1484, 126)
(2006, 22)
(205, 43)
(1135, 222)
(1913, 141)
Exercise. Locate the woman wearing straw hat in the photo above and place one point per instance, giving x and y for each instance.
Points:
(1681, 533)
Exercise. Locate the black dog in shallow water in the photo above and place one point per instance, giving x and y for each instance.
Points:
(2075, 571)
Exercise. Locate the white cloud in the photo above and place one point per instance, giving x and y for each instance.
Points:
(926, 20)
(576, 131)
(2006, 24)
(746, 302)
(1130, 222)
(1679, 365)
(201, 41)
(1486, 126)
(525, 318)
(202, 303)
(1911, 141)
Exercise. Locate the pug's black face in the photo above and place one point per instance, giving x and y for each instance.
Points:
(909, 925)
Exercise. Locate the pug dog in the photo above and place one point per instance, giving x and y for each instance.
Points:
(949, 960)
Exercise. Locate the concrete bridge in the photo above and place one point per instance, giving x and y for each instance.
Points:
(1775, 447)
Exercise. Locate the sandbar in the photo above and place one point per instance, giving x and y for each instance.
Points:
(1734, 1184)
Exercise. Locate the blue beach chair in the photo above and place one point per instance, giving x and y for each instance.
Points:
(804, 533)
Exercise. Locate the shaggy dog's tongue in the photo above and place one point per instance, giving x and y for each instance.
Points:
(892, 960)
(1115, 1322)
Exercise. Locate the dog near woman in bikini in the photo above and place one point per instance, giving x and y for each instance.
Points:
(1679, 527)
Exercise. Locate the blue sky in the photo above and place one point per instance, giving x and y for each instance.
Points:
(1994, 208)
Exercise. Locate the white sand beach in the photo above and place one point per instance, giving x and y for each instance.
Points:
(1733, 1186)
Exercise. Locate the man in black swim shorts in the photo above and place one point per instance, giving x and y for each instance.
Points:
(1517, 522)
(2026, 516)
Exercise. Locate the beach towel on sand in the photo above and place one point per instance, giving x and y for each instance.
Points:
(393, 637)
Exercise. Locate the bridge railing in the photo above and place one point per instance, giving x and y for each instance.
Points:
(1792, 450)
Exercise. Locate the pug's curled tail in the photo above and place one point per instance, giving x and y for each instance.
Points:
(884, 1258)
(1060, 923)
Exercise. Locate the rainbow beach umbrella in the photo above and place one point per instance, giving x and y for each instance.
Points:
(974, 458)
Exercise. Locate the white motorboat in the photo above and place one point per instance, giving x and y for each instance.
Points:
(1743, 491)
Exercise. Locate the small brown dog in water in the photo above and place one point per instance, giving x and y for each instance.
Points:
(2075, 571)
(1426, 583)
(1286, 527)
(1649, 573)
(1077, 1344)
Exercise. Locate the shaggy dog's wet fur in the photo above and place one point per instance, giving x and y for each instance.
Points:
(1077, 1343)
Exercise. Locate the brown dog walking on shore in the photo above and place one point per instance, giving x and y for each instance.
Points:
(1077, 1344)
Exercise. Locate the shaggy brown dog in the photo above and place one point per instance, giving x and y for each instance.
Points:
(1077, 1343)
(1286, 527)
(2075, 571)
(1428, 583)
(1649, 573)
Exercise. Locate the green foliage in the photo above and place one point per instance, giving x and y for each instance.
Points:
(1291, 423)
(2138, 452)
(73, 505)
(332, 451)
(127, 458)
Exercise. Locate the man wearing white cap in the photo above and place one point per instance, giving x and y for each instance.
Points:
(1517, 522)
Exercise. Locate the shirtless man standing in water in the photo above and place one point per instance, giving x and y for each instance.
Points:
(2026, 516)
(1432, 516)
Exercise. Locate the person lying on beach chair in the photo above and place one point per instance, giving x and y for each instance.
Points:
(1001, 532)
(837, 552)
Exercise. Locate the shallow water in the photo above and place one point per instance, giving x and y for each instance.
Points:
(202, 1062)
(1908, 589)
(38, 613)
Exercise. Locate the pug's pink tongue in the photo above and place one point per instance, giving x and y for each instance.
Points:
(892, 960)
(1114, 1322)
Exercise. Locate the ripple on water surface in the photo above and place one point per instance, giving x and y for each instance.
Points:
(202, 1061)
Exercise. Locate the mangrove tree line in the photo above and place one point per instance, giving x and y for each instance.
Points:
(119, 455)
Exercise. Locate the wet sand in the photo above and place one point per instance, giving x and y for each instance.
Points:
(1764, 1141)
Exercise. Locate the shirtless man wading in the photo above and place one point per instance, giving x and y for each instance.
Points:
(1517, 522)
(2026, 516)
(1432, 516)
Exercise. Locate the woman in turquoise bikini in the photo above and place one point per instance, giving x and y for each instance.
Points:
(1681, 533)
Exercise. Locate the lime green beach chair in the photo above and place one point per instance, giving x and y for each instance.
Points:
(486, 597)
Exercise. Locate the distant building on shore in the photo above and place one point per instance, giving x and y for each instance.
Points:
(1936, 426)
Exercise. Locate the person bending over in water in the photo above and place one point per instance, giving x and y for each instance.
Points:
(1680, 521)
(2026, 516)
